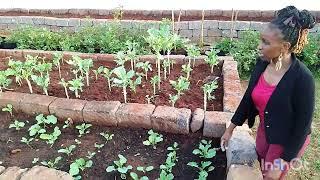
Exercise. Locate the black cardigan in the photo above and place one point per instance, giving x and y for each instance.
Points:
(289, 111)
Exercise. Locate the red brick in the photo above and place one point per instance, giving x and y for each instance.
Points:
(170, 119)
(194, 13)
(230, 71)
(67, 55)
(254, 13)
(215, 123)
(12, 98)
(30, 52)
(36, 104)
(101, 112)
(68, 108)
(151, 58)
(106, 57)
(178, 59)
(227, 13)
(231, 102)
(42, 173)
(135, 115)
(12, 173)
(232, 87)
(216, 12)
(268, 14)
(14, 53)
(197, 120)
(2, 53)
(48, 55)
(88, 56)
(242, 14)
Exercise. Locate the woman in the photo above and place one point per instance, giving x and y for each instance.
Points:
(281, 91)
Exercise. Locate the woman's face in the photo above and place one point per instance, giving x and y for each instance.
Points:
(271, 44)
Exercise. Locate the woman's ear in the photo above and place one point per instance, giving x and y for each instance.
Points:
(286, 46)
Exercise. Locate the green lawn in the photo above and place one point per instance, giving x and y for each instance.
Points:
(313, 152)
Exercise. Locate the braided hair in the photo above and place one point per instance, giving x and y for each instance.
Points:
(294, 25)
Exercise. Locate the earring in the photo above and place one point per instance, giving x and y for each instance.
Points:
(279, 62)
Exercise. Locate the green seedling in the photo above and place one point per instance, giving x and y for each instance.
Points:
(57, 57)
(27, 141)
(67, 150)
(44, 121)
(146, 67)
(76, 86)
(35, 160)
(193, 52)
(90, 155)
(107, 74)
(107, 137)
(79, 165)
(208, 89)
(154, 81)
(83, 129)
(205, 151)
(51, 138)
(17, 125)
(173, 99)
(5, 81)
(42, 81)
(186, 68)
(182, 84)
(212, 58)
(134, 83)
(121, 58)
(204, 169)
(77, 141)
(123, 79)
(8, 109)
(98, 71)
(52, 163)
(166, 65)
(65, 86)
(144, 170)
(153, 139)
(67, 123)
(172, 159)
(98, 146)
(120, 166)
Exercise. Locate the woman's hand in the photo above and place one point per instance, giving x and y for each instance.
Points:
(225, 139)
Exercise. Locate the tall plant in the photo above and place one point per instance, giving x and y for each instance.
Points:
(123, 79)
(208, 89)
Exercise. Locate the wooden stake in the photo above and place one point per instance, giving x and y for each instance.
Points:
(202, 22)
(179, 18)
(231, 29)
(172, 18)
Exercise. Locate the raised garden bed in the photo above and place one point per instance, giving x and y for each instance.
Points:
(109, 111)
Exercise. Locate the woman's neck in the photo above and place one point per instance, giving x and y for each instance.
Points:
(286, 62)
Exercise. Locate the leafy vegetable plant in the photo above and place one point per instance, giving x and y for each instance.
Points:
(8, 108)
(79, 165)
(173, 99)
(193, 52)
(144, 170)
(107, 137)
(123, 79)
(51, 138)
(67, 150)
(204, 168)
(42, 81)
(107, 74)
(98, 71)
(52, 163)
(57, 57)
(166, 169)
(154, 81)
(186, 68)
(120, 166)
(4, 80)
(205, 150)
(65, 86)
(212, 58)
(145, 66)
(17, 125)
(27, 141)
(182, 84)
(208, 89)
(153, 139)
(76, 86)
(83, 129)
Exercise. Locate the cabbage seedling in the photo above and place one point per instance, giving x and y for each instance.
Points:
(83, 129)
(173, 99)
(42, 81)
(121, 58)
(57, 57)
(79, 165)
(107, 74)
(204, 168)
(145, 66)
(52, 163)
(193, 52)
(27, 141)
(153, 139)
(8, 108)
(166, 169)
(212, 58)
(135, 83)
(208, 89)
(98, 71)
(123, 79)
(51, 138)
(154, 81)
(166, 64)
(132, 53)
(4, 80)
(182, 84)
(17, 125)
(65, 86)
(120, 166)
(43, 68)
(67, 150)
(76, 86)
(90, 155)
(87, 64)
(27, 70)
(15, 70)
(144, 170)
(186, 68)
(107, 137)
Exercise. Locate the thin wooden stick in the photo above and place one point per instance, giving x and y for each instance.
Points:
(172, 14)
(231, 29)
(202, 22)
(179, 18)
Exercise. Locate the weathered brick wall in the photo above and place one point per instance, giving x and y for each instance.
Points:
(213, 29)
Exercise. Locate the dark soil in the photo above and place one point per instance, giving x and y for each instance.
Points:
(98, 89)
(127, 142)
